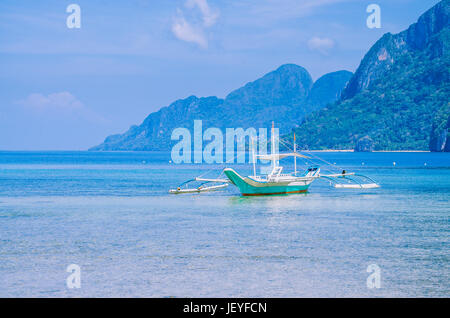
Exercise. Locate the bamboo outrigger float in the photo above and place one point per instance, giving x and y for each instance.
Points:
(277, 182)
(201, 187)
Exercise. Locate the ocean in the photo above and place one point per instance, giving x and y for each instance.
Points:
(110, 213)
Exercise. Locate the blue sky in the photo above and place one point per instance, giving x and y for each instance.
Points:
(63, 89)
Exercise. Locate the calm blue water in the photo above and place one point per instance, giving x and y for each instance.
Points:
(110, 213)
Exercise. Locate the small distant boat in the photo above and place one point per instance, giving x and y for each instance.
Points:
(277, 182)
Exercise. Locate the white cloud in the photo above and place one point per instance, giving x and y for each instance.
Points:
(62, 104)
(186, 32)
(193, 32)
(321, 44)
(209, 16)
(55, 101)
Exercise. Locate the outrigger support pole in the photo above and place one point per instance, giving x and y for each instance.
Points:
(211, 180)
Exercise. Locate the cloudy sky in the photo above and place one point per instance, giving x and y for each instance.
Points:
(64, 88)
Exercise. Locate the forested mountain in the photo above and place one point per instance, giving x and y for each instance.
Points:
(398, 99)
(399, 96)
(285, 96)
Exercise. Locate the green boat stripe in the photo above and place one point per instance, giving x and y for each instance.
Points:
(249, 186)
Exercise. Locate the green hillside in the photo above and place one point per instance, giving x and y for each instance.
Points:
(406, 103)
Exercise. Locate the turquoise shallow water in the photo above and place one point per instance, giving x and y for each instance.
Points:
(110, 213)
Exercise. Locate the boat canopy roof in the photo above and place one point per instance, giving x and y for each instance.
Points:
(278, 156)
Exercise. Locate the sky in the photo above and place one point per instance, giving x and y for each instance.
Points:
(67, 88)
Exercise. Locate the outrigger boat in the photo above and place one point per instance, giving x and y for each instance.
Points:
(277, 182)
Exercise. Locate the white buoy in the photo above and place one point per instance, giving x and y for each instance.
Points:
(394, 163)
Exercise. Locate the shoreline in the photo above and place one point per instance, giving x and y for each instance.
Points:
(401, 151)
(351, 150)
(142, 151)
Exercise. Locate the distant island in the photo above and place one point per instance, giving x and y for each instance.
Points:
(398, 99)
(284, 96)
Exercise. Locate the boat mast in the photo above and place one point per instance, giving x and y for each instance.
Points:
(295, 157)
(274, 163)
(253, 155)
